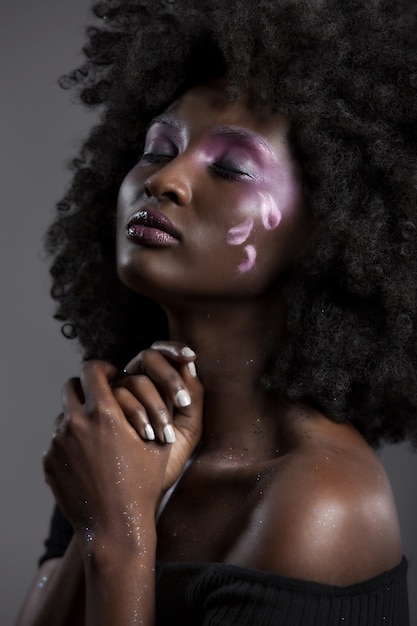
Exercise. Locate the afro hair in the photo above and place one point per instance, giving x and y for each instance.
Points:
(345, 74)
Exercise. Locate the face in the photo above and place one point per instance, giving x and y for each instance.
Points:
(213, 208)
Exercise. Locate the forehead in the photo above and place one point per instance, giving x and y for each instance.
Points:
(207, 107)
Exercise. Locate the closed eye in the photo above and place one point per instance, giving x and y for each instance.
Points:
(151, 157)
(229, 173)
(158, 148)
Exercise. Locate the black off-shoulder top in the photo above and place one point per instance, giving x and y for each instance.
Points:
(218, 594)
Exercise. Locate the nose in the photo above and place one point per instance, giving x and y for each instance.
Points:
(171, 182)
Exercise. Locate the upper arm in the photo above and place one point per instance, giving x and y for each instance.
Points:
(336, 525)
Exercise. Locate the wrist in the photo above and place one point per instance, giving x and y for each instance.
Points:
(131, 536)
(120, 579)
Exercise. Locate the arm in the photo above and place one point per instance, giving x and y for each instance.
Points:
(61, 578)
(114, 579)
(57, 595)
(120, 579)
(108, 480)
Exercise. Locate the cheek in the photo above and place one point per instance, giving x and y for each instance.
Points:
(129, 189)
(268, 211)
(264, 215)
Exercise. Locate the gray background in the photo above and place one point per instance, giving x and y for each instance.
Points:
(39, 130)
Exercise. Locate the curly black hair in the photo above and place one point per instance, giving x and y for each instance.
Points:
(345, 73)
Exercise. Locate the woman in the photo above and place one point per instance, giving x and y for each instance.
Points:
(255, 334)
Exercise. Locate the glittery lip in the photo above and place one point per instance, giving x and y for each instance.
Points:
(152, 228)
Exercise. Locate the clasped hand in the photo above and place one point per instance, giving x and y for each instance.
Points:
(123, 440)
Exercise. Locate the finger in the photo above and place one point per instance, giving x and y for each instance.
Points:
(72, 395)
(135, 413)
(163, 374)
(144, 408)
(173, 350)
(178, 352)
(188, 420)
(195, 388)
(95, 380)
(50, 455)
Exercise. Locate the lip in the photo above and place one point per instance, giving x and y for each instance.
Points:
(151, 227)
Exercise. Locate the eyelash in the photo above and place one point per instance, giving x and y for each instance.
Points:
(227, 173)
(219, 170)
(150, 157)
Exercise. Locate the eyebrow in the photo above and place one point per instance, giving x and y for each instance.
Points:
(167, 120)
(236, 132)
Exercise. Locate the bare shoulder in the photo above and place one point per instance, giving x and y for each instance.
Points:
(330, 514)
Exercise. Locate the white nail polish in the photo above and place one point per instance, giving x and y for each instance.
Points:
(183, 398)
(187, 352)
(149, 432)
(192, 369)
(169, 434)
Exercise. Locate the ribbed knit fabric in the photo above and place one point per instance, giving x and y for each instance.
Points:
(60, 533)
(214, 594)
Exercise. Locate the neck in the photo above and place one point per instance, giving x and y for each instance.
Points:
(236, 344)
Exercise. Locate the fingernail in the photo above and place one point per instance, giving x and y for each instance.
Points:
(183, 398)
(187, 352)
(169, 434)
(192, 369)
(149, 432)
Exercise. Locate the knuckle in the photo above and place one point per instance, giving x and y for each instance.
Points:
(138, 363)
(162, 415)
(160, 344)
(140, 414)
(142, 380)
(145, 358)
(71, 424)
(101, 409)
(93, 365)
(120, 393)
(174, 380)
(146, 353)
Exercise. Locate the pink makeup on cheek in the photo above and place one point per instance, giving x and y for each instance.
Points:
(271, 215)
(238, 234)
(248, 262)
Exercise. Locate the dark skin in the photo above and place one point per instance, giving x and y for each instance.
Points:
(272, 486)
